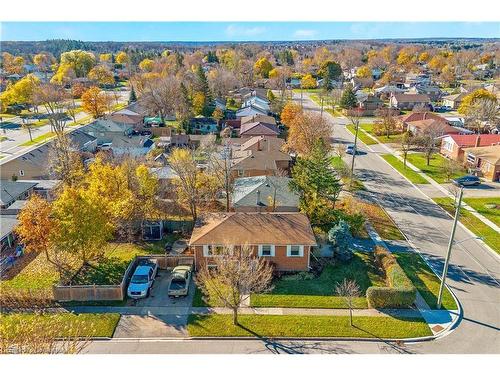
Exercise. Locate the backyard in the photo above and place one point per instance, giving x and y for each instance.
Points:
(435, 169)
(35, 274)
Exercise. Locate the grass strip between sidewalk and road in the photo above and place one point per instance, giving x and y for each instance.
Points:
(409, 173)
(42, 138)
(68, 324)
(306, 326)
(424, 279)
(491, 213)
(490, 236)
(367, 140)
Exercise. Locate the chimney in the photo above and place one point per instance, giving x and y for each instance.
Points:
(478, 140)
(259, 144)
(258, 198)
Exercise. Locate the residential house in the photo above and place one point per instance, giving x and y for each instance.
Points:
(259, 156)
(414, 79)
(134, 146)
(253, 129)
(264, 193)
(485, 161)
(454, 101)
(369, 104)
(12, 191)
(283, 238)
(220, 104)
(433, 92)
(250, 110)
(403, 120)
(7, 226)
(106, 131)
(431, 126)
(127, 116)
(377, 73)
(257, 101)
(409, 101)
(34, 164)
(388, 90)
(452, 146)
(45, 188)
(258, 118)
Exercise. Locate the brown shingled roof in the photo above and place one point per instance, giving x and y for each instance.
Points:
(253, 228)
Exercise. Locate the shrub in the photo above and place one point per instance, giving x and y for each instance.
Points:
(356, 223)
(299, 276)
(399, 291)
(340, 237)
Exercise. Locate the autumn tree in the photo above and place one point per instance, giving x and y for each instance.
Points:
(304, 131)
(102, 75)
(262, 67)
(21, 92)
(218, 114)
(146, 65)
(450, 168)
(64, 74)
(406, 145)
(122, 58)
(289, 113)
(479, 106)
(81, 224)
(386, 124)
(364, 72)
(330, 71)
(161, 96)
(12, 64)
(95, 102)
(238, 273)
(80, 61)
(182, 161)
(308, 82)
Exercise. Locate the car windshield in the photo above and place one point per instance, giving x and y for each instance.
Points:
(139, 279)
(177, 284)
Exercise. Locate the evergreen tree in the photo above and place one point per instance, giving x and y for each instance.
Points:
(330, 71)
(340, 237)
(349, 99)
(316, 184)
(201, 86)
(132, 98)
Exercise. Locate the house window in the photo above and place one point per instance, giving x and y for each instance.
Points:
(266, 250)
(240, 173)
(295, 251)
(212, 250)
(21, 172)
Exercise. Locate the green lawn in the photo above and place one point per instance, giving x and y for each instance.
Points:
(2, 138)
(7, 115)
(42, 138)
(434, 170)
(294, 291)
(424, 279)
(409, 173)
(480, 229)
(306, 326)
(340, 166)
(396, 138)
(36, 274)
(362, 136)
(490, 213)
(63, 324)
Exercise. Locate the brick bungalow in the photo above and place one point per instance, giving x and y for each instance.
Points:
(252, 129)
(452, 145)
(409, 101)
(285, 239)
(485, 160)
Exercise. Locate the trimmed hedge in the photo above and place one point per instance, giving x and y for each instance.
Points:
(400, 291)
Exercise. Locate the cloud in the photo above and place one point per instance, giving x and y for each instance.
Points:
(236, 30)
(305, 33)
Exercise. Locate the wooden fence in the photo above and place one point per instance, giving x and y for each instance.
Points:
(114, 292)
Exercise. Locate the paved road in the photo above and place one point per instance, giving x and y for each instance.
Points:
(11, 128)
(474, 275)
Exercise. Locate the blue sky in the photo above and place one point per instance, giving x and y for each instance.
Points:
(242, 31)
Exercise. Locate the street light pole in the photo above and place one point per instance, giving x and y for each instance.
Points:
(450, 245)
(354, 151)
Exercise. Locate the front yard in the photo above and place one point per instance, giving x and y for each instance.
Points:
(435, 169)
(62, 324)
(409, 173)
(395, 138)
(307, 326)
(485, 207)
(480, 229)
(299, 290)
(361, 135)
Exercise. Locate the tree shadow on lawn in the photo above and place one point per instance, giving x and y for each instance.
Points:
(109, 271)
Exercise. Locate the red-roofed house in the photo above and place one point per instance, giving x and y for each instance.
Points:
(452, 145)
(254, 129)
(430, 126)
(417, 116)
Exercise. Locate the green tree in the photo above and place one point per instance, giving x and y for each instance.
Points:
(330, 71)
(340, 237)
(316, 184)
(348, 99)
(132, 97)
(262, 67)
(80, 61)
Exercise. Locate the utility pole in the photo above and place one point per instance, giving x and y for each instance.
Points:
(355, 121)
(450, 245)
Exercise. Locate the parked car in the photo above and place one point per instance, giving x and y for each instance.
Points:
(467, 181)
(179, 282)
(105, 146)
(351, 150)
(142, 279)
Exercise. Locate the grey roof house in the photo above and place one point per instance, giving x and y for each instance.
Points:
(11, 191)
(264, 193)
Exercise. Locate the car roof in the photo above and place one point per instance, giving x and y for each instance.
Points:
(142, 270)
(181, 269)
